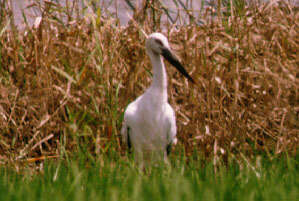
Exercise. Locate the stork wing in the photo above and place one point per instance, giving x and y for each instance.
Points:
(171, 135)
(126, 128)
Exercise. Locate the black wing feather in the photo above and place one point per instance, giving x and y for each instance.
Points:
(129, 140)
(168, 148)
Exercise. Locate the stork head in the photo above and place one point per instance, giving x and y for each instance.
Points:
(157, 44)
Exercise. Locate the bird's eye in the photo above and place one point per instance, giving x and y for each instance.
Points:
(159, 42)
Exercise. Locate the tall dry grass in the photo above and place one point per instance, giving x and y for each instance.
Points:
(65, 84)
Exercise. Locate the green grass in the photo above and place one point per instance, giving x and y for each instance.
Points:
(114, 178)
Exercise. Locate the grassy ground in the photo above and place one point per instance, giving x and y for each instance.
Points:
(116, 179)
(66, 80)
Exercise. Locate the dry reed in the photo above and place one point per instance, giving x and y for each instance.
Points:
(64, 84)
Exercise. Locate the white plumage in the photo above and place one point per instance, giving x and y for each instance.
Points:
(149, 125)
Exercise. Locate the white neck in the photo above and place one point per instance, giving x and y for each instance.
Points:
(159, 83)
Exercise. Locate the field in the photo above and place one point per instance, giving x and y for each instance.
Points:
(66, 80)
(118, 179)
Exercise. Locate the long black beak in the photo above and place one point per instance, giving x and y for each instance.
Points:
(169, 56)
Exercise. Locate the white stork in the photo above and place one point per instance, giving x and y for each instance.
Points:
(149, 125)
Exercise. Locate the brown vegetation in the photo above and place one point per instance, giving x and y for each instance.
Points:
(66, 84)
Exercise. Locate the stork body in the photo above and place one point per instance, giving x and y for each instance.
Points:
(149, 125)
